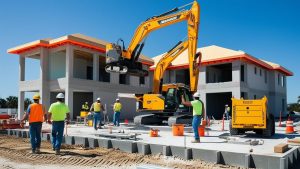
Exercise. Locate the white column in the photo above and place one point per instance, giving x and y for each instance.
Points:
(44, 71)
(69, 101)
(21, 68)
(236, 68)
(21, 104)
(69, 75)
(95, 67)
(69, 61)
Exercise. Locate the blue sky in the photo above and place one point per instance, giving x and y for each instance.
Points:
(268, 29)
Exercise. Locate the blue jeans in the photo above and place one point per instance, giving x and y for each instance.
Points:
(57, 133)
(117, 118)
(196, 123)
(35, 130)
(97, 118)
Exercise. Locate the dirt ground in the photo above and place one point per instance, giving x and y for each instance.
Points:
(16, 153)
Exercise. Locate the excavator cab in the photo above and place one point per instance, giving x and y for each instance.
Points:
(173, 98)
(118, 64)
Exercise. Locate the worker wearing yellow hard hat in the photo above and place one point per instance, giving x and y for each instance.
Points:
(36, 116)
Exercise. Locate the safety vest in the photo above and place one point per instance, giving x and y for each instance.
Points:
(228, 109)
(197, 107)
(97, 107)
(36, 113)
(117, 107)
(85, 107)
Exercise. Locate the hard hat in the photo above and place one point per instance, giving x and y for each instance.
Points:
(117, 99)
(99, 98)
(60, 96)
(86, 102)
(36, 97)
(196, 94)
(226, 105)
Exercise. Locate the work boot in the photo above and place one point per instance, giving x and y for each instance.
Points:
(38, 150)
(33, 152)
(196, 141)
(57, 152)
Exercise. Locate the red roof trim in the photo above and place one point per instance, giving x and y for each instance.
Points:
(63, 42)
(244, 57)
(59, 43)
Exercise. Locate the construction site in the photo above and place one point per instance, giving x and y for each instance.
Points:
(98, 104)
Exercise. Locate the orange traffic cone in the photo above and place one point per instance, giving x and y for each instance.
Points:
(289, 126)
(126, 121)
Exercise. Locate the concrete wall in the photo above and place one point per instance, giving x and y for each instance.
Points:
(57, 65)
(80, 65)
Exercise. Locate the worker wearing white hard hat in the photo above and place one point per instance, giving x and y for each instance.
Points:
(59, 112)
(97, 108)
(198, 113)
(117, 111)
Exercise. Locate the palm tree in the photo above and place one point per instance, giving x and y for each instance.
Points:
(12, 102)
(298, 99)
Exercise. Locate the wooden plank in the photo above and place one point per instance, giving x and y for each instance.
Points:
(281, 148)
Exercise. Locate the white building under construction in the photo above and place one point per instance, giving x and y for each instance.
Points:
(74, 64)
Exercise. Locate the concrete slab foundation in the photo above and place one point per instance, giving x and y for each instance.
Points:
(103, 142)
(81, 141)
(93, 142)
(238, 155)
(125, 145)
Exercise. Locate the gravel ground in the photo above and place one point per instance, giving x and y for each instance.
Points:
(16, 153)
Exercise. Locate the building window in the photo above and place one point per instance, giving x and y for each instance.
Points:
(242, 73)
(123, 79)
(266, 76)
(260, 72)
(142, 80)
(283, 81)
(89, 73)
(255, 70)
(278, 78)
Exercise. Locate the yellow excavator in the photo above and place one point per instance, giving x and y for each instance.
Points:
(164, 103)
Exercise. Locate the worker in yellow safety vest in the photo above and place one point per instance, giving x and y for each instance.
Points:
(227, 111)
(97, 108)
(59, 113)
(198, 113)
(85, 107)
(117, 111)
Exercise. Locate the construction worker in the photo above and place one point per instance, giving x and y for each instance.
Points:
(85, 107)
(97, 108)
(198, 113)
(227, 111)
(117, 111)
(58, 112)
(36, 116)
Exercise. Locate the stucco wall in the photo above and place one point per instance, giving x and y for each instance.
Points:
(57, 65)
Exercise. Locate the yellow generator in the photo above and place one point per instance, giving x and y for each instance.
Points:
(251, 115)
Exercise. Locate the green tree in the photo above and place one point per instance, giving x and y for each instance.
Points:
(294, 107)
(27, 102)
(298, 99)
(12, 102)
(3, 103)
